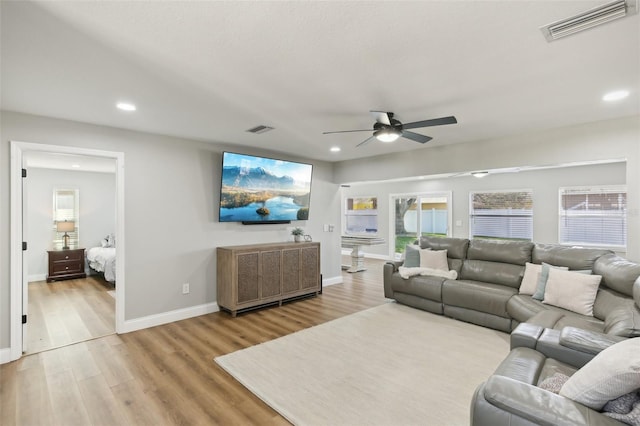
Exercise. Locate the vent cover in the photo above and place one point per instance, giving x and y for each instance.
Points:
(589, 19)
(260, 129)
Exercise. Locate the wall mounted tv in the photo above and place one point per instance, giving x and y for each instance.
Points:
(257, 190)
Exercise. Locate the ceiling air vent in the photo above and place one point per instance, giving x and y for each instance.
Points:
(589, 19)
(260, 129)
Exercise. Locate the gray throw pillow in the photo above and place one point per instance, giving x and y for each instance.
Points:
(411, 256)
(542, 280)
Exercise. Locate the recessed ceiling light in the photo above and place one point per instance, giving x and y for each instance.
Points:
(75, 166)
(124, 106)
(335, 149)
(479, 174)
(615, 96)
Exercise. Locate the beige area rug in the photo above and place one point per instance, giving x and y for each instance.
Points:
(388, 365)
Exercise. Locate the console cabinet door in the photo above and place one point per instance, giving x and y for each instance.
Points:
(310, 267)
(271, 273)
(247, 272)
(290, 270)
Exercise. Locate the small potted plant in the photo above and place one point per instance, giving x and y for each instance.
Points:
(297, 233)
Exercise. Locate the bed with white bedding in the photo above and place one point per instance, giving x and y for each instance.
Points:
(103, 259)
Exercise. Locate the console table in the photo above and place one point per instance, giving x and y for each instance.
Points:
(254, 275)
(357, 256)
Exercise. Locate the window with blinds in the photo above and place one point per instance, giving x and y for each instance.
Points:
(66, 207)
(504, 215)
(593, 216)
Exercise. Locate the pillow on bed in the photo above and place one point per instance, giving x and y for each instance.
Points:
(108, 241)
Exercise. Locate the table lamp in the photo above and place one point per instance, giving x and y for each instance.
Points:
(65, 227)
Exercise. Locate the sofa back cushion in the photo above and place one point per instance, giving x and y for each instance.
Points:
(492, 272)
(617, 273)
(513, 252)
(575, 258)
(456, 247)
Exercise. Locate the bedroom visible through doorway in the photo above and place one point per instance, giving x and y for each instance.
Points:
(77, 192)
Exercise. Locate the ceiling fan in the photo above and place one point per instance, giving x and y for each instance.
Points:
(388, 129)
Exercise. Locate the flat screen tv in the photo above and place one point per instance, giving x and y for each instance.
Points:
(263, 190)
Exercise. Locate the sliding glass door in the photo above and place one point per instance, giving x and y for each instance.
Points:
(418, 214)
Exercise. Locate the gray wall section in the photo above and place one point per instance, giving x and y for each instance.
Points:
(604, 140)
(97, 211)
(543, 183)
(171, 219)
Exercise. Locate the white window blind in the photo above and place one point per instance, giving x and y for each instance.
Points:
(593, 216)
(66, 207)
(504, 215)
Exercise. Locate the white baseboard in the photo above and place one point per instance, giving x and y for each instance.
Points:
(331, 281)
(37, 277)
(5, 355)
(167, 317)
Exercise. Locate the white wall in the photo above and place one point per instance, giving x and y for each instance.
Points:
(604, 140)
(168, 180)
(97, 211)
(543, 183)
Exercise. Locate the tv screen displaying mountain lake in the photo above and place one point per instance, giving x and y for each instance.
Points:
(277, 208)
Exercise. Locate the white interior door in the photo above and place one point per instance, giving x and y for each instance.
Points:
(25, 264)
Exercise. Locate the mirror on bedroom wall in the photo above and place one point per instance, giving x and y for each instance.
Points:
(66, 204)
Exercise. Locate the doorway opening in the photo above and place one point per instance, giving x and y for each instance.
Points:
(21, 273)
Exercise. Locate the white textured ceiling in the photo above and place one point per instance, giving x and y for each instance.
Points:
(211, 70)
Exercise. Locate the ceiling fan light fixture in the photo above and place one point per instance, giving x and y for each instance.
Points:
(387, 134)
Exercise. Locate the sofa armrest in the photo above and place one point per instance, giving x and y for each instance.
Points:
(587, 341)
(395, 264)
(388, 269)
(549, 345)
(525, 335)
(538, 405)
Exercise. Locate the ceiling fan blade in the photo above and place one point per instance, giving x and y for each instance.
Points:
(381, 117)
(346, 131)
(416, 137)
(433, 122)
(365, 141)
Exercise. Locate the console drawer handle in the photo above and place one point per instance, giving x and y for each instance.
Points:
(66, 257)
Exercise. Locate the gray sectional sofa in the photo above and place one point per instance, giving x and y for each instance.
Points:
(486, 291)
(546, 340)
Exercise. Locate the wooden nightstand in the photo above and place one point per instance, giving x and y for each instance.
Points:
(66, 264)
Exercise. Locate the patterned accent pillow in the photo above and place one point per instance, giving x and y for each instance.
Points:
(554, 383)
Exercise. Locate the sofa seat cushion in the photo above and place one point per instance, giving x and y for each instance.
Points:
(521, 307)
(557, 319)
(428, 287)
(477, 295)
(552, 368)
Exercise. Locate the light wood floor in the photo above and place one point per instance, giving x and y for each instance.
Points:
(70, 311)
(166, 375)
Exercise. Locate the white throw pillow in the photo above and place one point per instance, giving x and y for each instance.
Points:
(572, 290)
(434, 259)
(530, 278)
(612, 373)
